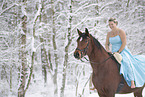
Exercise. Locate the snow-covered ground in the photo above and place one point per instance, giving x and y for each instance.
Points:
(91, 95)
(46, 93)
(40, 89)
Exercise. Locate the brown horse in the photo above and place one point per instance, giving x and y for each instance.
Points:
(106, 77)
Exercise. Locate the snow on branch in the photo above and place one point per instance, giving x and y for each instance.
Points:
(13, 5)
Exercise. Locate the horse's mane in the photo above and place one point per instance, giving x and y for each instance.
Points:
(96, 42)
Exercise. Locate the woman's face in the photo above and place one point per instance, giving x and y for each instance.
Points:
(112, 25)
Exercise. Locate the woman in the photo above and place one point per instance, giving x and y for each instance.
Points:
(132, 67)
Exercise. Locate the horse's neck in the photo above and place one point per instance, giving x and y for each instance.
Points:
(97, 56)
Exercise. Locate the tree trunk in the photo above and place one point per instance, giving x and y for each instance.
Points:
(55, 48)
(128, 3)
(21, 90)
(44, 61)
(11, 78)
(33, 49)
(66, 52)
(44, 57)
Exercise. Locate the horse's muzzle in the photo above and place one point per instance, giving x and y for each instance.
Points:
(77, 55)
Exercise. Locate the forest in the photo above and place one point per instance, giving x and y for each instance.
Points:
(38, 40)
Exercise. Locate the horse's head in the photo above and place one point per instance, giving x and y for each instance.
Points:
(82, 44)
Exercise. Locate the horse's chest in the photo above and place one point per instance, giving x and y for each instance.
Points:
(96, 80)
(99, 80)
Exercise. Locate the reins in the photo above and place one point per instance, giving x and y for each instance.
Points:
(96, 62)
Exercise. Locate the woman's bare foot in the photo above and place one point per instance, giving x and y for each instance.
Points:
(132, 84)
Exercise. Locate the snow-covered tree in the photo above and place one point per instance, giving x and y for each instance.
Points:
(38, 38)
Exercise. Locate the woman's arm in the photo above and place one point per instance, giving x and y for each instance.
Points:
(123, 39)
(107, 43)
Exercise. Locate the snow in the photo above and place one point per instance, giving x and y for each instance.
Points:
(69, 94)
(40, 89)
(46, 18)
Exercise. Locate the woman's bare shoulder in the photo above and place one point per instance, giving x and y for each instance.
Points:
(108, 34)
(121, 31)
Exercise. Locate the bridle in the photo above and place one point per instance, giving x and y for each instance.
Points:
(85, 52)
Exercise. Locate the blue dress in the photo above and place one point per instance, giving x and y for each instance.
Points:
(132, 66)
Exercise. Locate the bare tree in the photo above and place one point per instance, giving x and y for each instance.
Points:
(69, 39)
(55, 49)
(21, 90)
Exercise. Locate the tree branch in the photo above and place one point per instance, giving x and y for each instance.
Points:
(13, 5)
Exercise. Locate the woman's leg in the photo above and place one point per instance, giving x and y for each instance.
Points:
(132, 84)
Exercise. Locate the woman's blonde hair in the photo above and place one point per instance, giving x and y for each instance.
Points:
(113, 20)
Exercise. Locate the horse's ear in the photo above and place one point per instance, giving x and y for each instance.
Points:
(79, 32)
(87, 32)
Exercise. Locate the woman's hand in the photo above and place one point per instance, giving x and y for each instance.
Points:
(109, 51)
